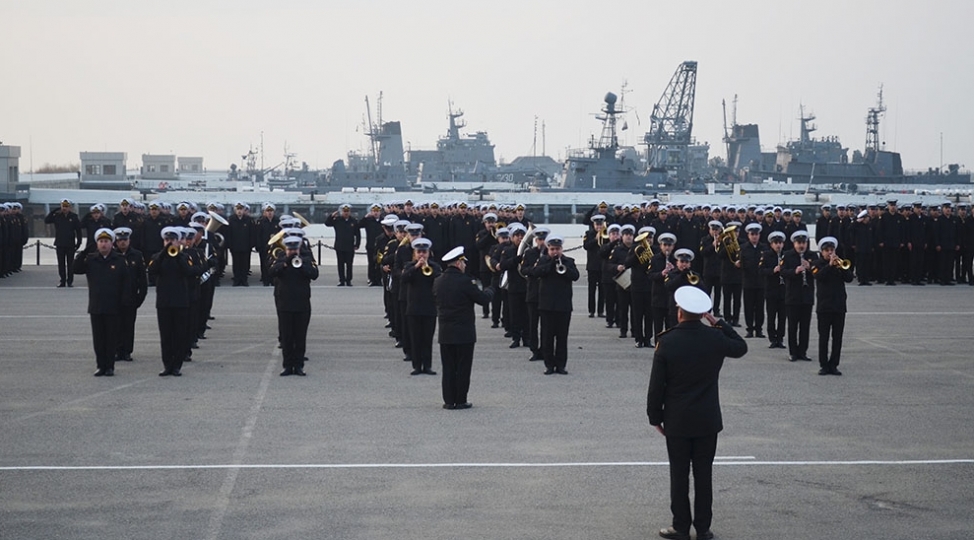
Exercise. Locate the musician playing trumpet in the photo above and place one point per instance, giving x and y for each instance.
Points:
(678, 277)
(593, 240)
(555, 272)
(421, 309)
(831, 274)
(661, 265)
(292, 274)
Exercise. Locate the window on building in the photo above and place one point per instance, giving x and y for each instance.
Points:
(164, 168)
(196, 168)
(93, 170)
(108, 170)
(152, 168)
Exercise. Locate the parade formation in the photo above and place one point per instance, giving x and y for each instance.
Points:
(755, 262)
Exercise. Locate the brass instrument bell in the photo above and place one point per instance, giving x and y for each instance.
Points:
(296, 262)
(173, 250)
(729, 239)
(426, 270)
(642, 249)
(301, 218)
(693, 278)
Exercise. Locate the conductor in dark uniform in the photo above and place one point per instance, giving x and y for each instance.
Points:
(682, 403)
(135, 291)
(107, 282)
(555, 273)
(67, 239)
(347, 240)
(456, 293)
(292, 274)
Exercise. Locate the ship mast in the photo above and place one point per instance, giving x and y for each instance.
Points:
(873, 123)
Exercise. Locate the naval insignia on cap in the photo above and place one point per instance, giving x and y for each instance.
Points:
(105, 232)
(455, 254)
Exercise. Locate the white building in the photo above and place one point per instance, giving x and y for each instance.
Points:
(9, 168)
(158, 167)
(102, 167)
(190, 164)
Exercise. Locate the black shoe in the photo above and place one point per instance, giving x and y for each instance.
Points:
(495, 325)
(70, 286)
(549, 371)
(398, 345)
(508, 334)
(609, 325)
(514, 344)
(622, 335)
(298, 371)
(463, 405)
(194, 345)
(176, 373)
(749, 334)
(429, 372)
(485, 316)
(599, 314)
(348, 284)
(561, 371)
(60, 285)
(640, 345)
(534, 357)
(287, 371)
(781, 345)
(200, 336)
(110, 372)
(706, 535)
(835, 371)
(100, 373)
(407, 359)
(759, 335)
(592, 315)
(793, 358)
(416, 372)
(823, 371)
(165, 373)
(449, 406)
(736, 324)
(210, 318)
(389, 325)
(673, 534)
(341, 284)
(805, 358)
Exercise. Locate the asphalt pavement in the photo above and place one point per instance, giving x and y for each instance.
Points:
(360, 449)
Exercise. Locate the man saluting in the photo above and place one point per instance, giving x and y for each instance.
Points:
(682, 403)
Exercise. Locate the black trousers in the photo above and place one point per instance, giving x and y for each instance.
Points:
(916, 261)
(498, 305)
(775, 309)
(712, 286)
(622, 309)
(610, 299)
(864, 267)
(555, 337)
(754, 300)
(265, 266)
(684, 454)
(800, 317)
(532, 333)
(403, 329)
(830, 323)
(732, 301)
(518, 311)
(344, 259)
(65, 256)
(241, 266)
(457, 359)
(890, 263)
(104, 332)
(595, 297)
(173, 335)
(659, 320)
(421, 338)
(965, 272)
(642, 316)
(126, 331)
(485, 278)
(946, 265)
(293, 329)
(374, 273)
(207, 291)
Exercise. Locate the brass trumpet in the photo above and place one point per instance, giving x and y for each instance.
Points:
(173, 250)
(559, 267)
(693, 278)
(426, 270)
(843, 264)
(296, 262)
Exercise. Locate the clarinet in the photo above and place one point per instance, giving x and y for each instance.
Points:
(805, 278)
(781, 258)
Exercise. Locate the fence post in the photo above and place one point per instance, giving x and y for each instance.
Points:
(319, 252)
(37, 245)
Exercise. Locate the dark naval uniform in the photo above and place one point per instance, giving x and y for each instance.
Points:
(172, 307)
(555, 308)
(67, 240)
(831, 283)
(132, 299)
(800, 292)
(421, 310)
(107, 283)
(455, 294)
(753, 287)
(774, 298)
(241, 238)
(292, 299)
(347, 241)
(683, 399)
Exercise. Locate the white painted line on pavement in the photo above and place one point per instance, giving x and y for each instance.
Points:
(828, 463)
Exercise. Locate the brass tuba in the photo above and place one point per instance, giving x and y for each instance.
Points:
(301, 218)
(215, 222)
(642, 248)
(693, 278)
(729, 239)
(278, 242)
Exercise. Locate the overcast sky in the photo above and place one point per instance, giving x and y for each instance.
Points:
(205, 78)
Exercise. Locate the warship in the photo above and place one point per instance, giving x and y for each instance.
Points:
(824, 162)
